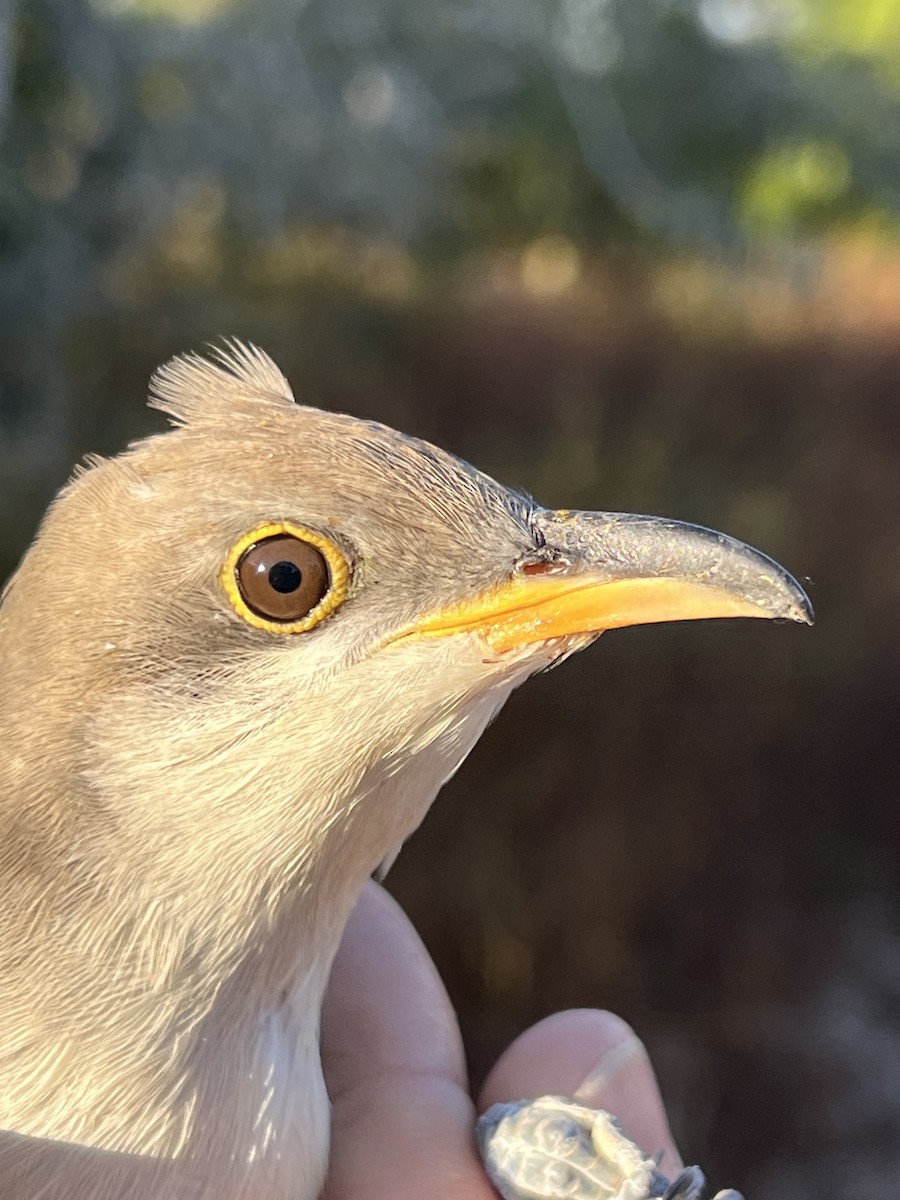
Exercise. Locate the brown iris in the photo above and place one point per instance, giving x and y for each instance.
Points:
(282, 578)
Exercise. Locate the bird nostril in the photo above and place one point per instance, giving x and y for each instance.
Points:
(545, 567)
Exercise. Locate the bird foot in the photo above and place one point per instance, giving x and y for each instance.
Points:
(557, 1149)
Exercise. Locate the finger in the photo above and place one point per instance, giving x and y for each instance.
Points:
(595, 1058)
(402, 1117)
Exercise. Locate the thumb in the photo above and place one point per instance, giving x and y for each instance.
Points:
(595, 1058)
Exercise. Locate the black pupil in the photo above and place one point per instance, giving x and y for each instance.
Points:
(285, 577)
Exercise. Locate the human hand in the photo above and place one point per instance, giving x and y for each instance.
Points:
(394, 1065)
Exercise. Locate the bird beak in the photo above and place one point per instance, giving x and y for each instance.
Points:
(605, 570)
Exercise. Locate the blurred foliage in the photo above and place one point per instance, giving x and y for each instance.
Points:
(630, 254)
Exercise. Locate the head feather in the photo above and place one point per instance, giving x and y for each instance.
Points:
(192, 388)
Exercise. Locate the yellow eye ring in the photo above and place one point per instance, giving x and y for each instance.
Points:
(246, 571)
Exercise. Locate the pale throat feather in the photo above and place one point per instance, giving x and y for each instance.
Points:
(284, 1125)
(219, 1059)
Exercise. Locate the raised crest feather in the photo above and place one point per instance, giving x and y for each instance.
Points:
(193, 387)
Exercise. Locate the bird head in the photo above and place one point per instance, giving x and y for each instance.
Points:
(239, 661)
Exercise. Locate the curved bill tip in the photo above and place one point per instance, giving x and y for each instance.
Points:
(801, 610)
(672, 570)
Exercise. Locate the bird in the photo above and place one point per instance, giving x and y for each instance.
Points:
(239, 661)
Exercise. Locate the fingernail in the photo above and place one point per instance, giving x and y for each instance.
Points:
(596, 1084)
(623, 1083)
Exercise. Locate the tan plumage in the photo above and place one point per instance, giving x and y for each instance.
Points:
(189, 805)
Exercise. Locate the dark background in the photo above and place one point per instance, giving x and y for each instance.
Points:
(624, 254)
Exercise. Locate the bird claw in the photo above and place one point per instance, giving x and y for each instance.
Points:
(557, 1149)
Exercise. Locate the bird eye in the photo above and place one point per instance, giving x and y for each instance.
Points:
(285, 579)
(282, 578)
